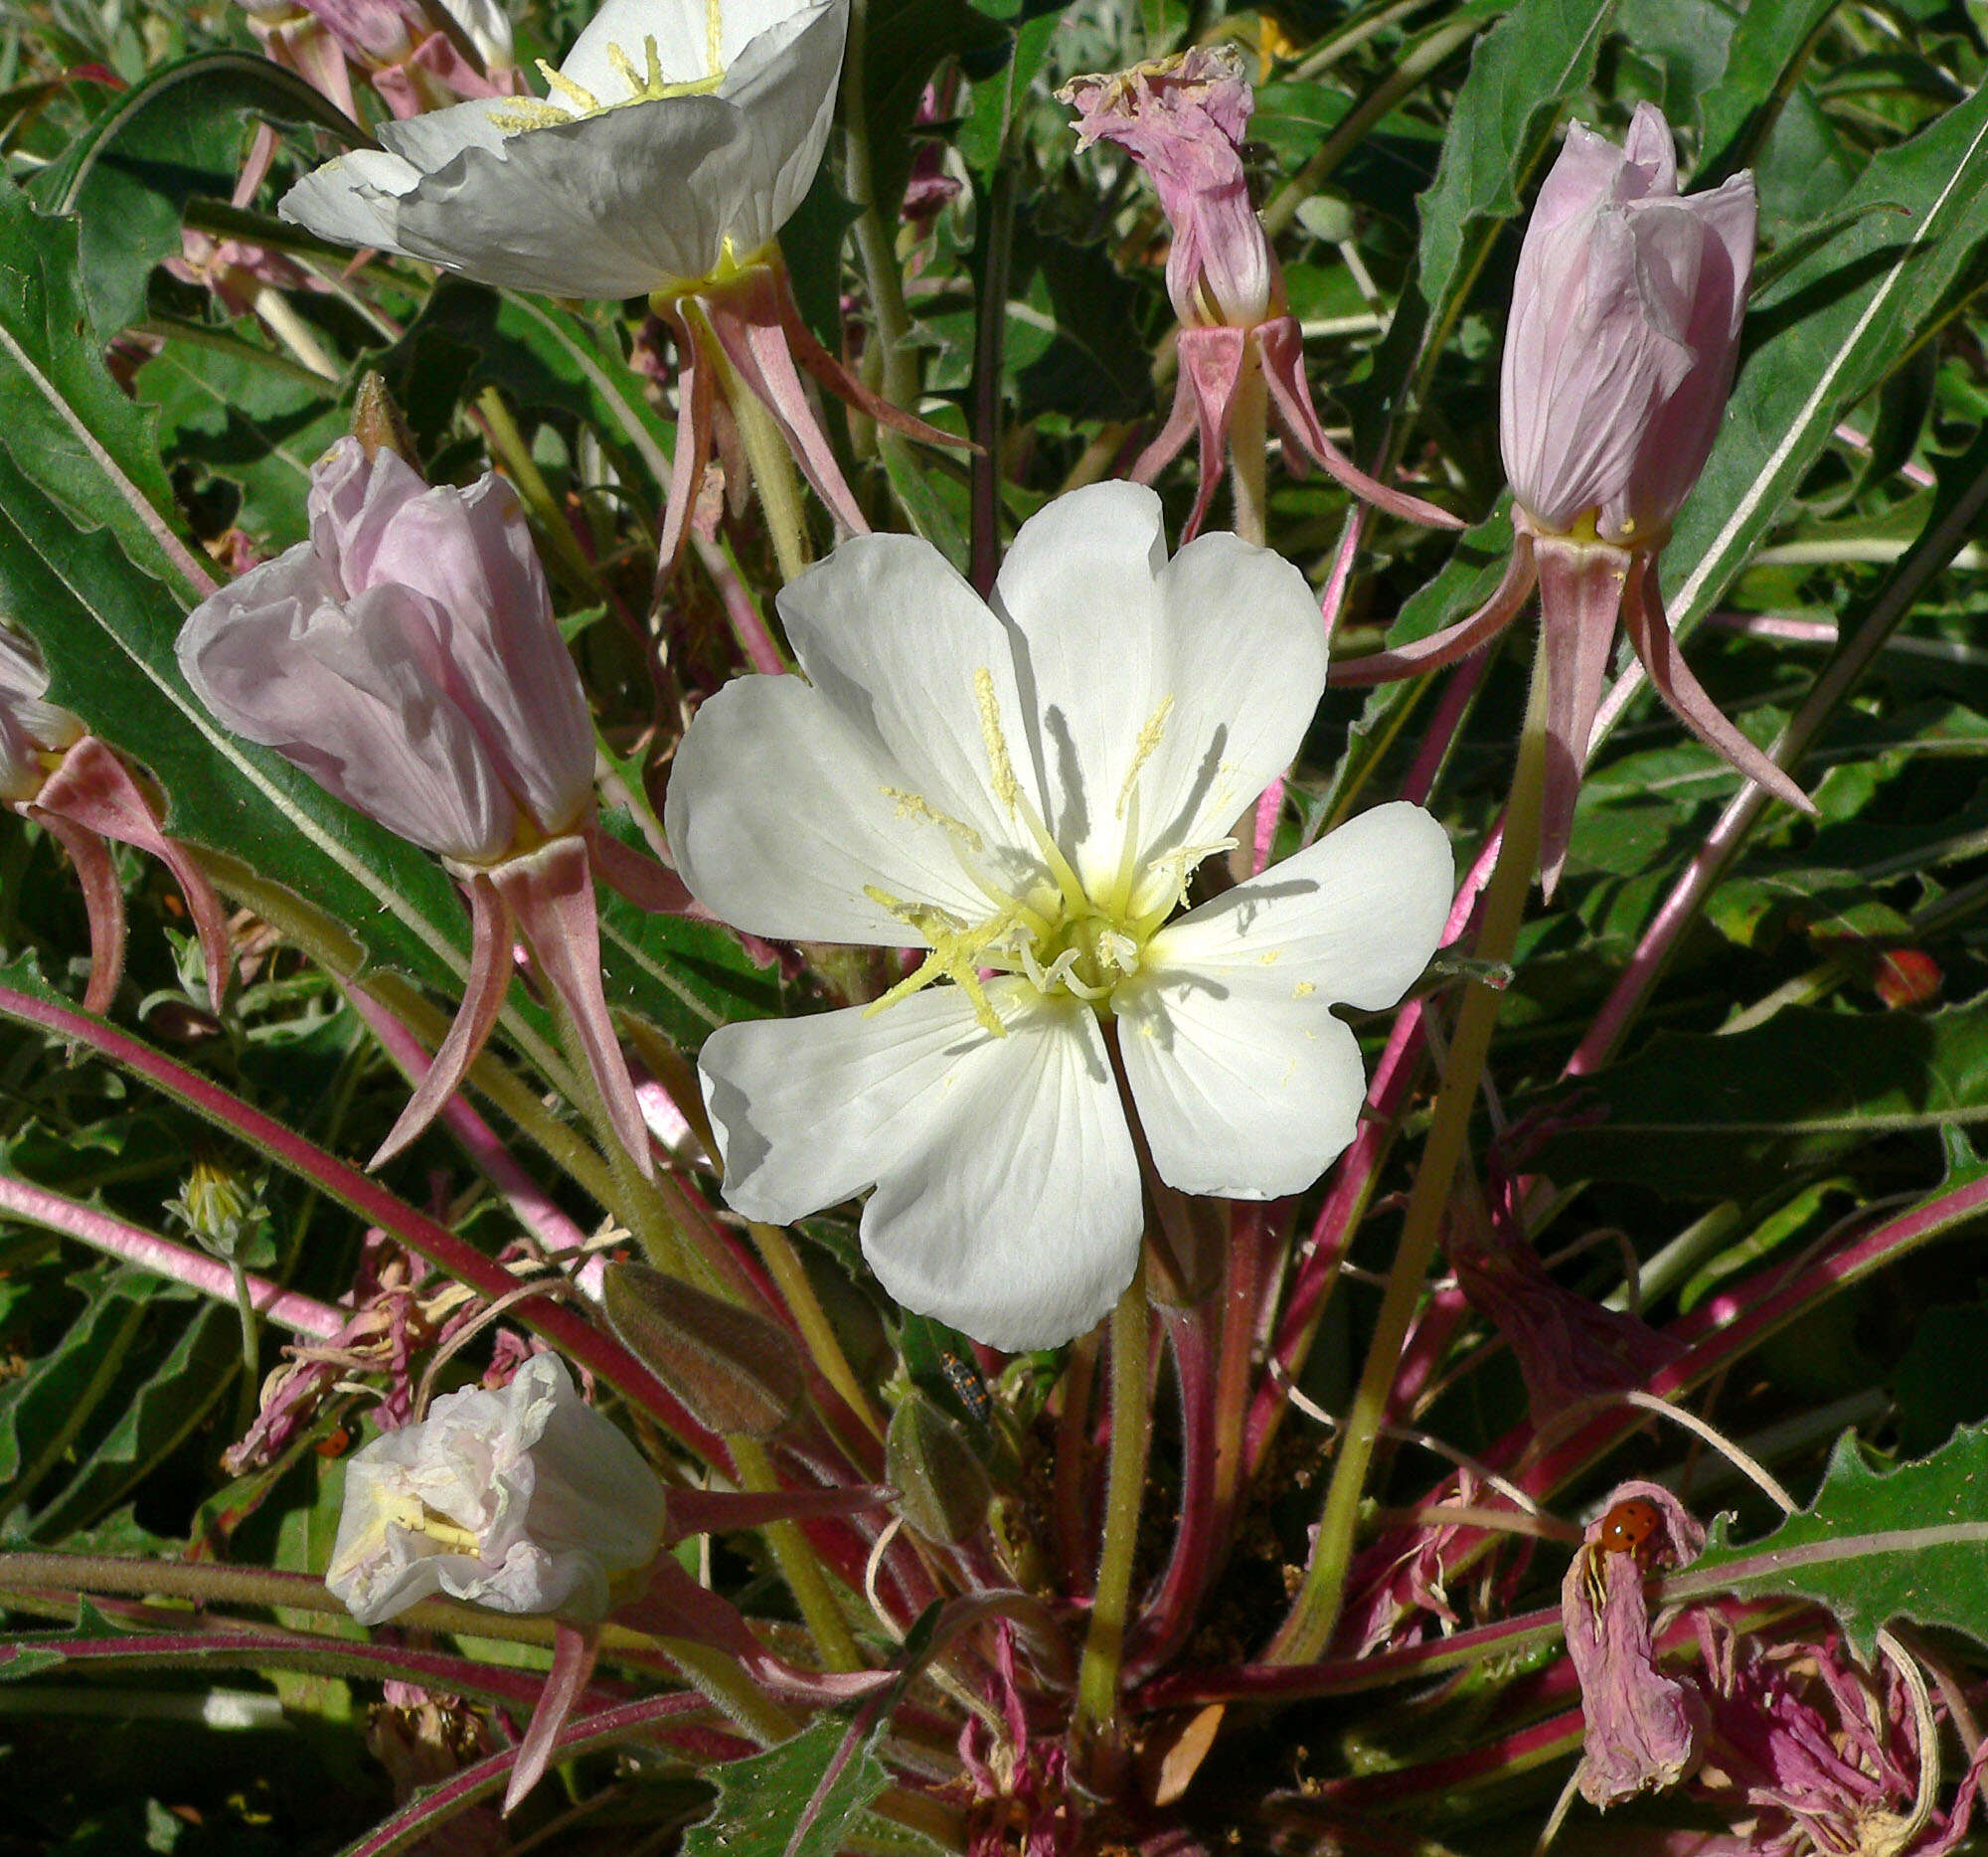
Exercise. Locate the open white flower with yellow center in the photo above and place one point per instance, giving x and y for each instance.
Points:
(1026, 787)
(677, 139)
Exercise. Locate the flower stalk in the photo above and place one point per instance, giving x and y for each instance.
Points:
(1308, 1632)
(1094, 1724)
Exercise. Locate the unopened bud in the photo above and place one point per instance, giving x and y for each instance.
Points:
(220, 1209)
(737, 1372)
(378, 425)
(943, 1488)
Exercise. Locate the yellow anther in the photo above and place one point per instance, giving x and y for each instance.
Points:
(625, 68)
(576, 96)
(1149, 738)
(916, 806)
(1000, 769)
(714, 36)
(527, 113)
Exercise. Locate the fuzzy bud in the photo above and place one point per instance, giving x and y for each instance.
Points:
(739, 1373)
(944, 1489)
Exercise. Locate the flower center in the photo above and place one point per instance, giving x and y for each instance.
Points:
(1044, 922)
(575, 102)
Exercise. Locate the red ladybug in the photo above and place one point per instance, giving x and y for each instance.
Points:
(1629, 1525)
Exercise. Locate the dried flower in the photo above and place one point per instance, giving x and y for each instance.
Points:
(525, 1500)
(1027, 789)
(1183, 119)
(1643, 1731)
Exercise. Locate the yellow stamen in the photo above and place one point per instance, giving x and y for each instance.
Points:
(714, 36)
(1000, 769)
(1149, 738)
(916, 806)
(577, 95)
(528, 112)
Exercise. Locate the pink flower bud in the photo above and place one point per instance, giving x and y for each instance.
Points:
(1624, 328)
(1183, 119)
(406, 659)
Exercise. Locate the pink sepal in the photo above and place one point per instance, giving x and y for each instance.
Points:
(844, 384)
(694, 419)
(1282, 348)
(95, 790)
(1581, 589)
(1454, 641)
(1649, 631)
(645, 883)
(745, 318)
(103, 899)
(550, 892)
(1210, 371)
(573, 1650)
(482, 999)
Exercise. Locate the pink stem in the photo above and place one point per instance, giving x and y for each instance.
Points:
(755, 637)
(526, 1200)
(562, 1326)
(1168, 1616)
(182, 1264)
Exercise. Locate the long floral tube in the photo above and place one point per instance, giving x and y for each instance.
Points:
(181, 1264)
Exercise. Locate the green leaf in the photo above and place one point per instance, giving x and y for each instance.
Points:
(174, 137)
(1878, 1544)
(1829, 332)
(763, 1800)
(1698, 1117)
(902, 43)
(1525, 77)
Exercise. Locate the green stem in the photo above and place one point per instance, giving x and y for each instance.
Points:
(716, 1675)
(789, 1275)
(1308, 1629)
(249, 1397)
(874, 242)
(1131, 1416)
(797, 1564)
(1248, 443)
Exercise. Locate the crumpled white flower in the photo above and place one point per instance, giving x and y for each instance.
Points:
(1027, 787)
(525, 1500)
(678, 138)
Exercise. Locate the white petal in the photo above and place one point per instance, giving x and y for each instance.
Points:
(1246, 665)
(1201, 674)
(786, 82)
(433, 140)
(1247, 1086)
(353, 200)
(610, 206)
(780, 815)
(679, 28)
(1080, 591)
(895, 640)
(1007, 1198)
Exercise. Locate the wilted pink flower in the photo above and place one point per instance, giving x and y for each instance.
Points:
(1618, 358)
(406, 658)
(53, 771)
(1643, 1730)
(1568, 1346)
(1816, 1754)
(1183, 119)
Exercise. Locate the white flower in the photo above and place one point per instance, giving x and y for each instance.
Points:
(678, 138)
(526, 1500)
(1027, 788)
